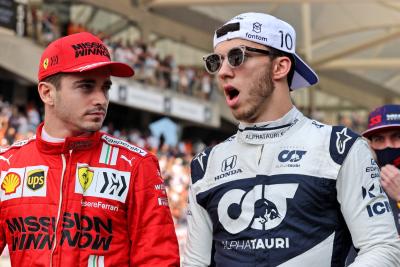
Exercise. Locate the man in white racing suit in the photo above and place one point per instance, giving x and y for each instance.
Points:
(285, 190)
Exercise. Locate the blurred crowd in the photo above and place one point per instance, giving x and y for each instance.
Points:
(150, 67)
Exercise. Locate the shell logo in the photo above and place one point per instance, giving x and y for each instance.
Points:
(10, 183)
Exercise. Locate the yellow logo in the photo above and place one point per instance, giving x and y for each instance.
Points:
(85, 177)
(10, 183)
(35, 179)
(45, 63)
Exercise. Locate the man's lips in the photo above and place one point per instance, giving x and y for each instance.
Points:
(96, 113)
(231, 95)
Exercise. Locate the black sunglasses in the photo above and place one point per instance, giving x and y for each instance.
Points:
(236, 57)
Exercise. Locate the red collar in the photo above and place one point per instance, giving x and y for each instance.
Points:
(70, 143)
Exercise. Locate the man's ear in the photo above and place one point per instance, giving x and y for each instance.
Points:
(47, 93)
(281, 67)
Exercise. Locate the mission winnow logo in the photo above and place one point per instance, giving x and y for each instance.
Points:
(80, 231)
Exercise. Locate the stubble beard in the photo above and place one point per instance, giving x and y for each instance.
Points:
(259, 91)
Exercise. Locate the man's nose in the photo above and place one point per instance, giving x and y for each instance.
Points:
(388, 142)
(100, 97)
(226, 71)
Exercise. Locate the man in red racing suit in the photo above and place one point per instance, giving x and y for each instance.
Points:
(83, 198)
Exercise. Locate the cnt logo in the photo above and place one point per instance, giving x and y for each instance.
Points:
(239, 210)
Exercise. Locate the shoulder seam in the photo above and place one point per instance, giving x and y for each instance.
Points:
(17, 144)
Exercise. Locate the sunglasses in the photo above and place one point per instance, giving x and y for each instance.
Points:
(236, 57)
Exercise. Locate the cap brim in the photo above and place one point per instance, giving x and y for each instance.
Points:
(303, 76)
(378, 129)
(117, 69)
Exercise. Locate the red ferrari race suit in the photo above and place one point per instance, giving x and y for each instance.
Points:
(87, 201)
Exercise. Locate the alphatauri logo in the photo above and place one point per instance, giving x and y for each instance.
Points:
(262, 208)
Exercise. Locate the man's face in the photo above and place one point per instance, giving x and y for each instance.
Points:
(80, 104)
(248, 87)
(384, 139)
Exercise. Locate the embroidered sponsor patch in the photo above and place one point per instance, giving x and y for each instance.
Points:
(102, 182)
(163, 201)
(11, 182)
(24, 182)
(109, 154)
(96, 261)
(85, 176)
(114, 141)
(35, 182)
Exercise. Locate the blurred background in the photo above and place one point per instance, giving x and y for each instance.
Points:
(172, 106)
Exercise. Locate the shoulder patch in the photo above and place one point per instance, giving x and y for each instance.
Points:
(229, 139)
(317, 124)
(118, 142)
(17, 144)
(341, 141)
(199, 165)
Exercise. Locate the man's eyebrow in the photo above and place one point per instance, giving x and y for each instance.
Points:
(108, 83)
(84, 81)
(91, 81)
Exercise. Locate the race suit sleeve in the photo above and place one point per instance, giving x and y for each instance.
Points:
(366, 210)
(152, 232)
(199, 241)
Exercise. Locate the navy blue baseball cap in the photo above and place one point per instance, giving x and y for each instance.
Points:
(382, 118)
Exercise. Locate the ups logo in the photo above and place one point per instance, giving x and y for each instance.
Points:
(35, 179)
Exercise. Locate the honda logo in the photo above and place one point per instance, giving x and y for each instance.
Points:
(228, 163)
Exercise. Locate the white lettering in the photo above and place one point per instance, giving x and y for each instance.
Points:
(99, 204)
(253, 244)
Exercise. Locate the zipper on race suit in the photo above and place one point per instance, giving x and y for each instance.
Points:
(64, 167)
(260, 154)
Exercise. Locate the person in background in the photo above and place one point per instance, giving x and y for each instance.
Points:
(384, 134)
(72, 195)
(285, 190)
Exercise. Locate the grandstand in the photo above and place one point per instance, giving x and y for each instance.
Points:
(352, 45)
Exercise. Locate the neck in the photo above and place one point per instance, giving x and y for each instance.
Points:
(276, 105)
(48, 138)
(57, 129)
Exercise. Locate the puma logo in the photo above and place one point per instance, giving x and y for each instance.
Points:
(6, 159)
(127, 160)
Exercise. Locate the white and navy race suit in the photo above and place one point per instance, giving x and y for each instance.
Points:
(289, 193)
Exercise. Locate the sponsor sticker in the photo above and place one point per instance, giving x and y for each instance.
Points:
(239, 210)
(35, 179)
(163, 201)
(114, 141)
(104, 182)
(96, 261)
(11, 182)
(35, 183)
(85, 175)
(109, 154)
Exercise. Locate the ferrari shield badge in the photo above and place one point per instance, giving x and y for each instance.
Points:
(85, 177)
